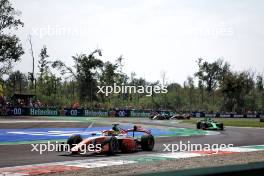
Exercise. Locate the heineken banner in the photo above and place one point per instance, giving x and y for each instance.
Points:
(23, 111)
(17, 111)
(85, 112)
(95, 113)
(138, 113)
(43, 112)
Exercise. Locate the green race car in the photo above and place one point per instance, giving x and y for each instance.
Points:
(209, 124)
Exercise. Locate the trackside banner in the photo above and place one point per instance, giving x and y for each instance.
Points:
(85, 112)
(135, 113)
(95, 113)
(73, 112)
(16, 111)
(25, 111)
(43, 112)
(202, 114)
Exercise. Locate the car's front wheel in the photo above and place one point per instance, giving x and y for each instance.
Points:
(74, 140)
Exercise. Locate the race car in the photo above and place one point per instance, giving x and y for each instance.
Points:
(181, 117)
(159, 116)
(115, 140)
(209, 124)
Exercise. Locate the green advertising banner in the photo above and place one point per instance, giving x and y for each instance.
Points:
(135, 113)
(95, 113)
(43, 112)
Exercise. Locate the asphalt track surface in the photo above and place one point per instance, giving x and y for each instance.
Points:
(15, 155)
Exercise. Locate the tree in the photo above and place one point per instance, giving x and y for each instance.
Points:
(86, 73)
(190, 85)
(10, 48)
(43, 63)
(108, 76)
(212, 73)
(163, 79)
(235, 87)
(259, 83)
(16, 83)
(122, 78)
(86, 67)
(260, 89)
(201, 89)
(175, 90)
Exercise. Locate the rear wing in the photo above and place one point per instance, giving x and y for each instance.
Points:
(138, 129)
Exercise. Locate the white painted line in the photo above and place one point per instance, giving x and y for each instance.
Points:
(90, 126)
(179, 155)
(92, 164)
(209, 133)
(11, 174)
(240, 149)
(252, 146)
(38, 121)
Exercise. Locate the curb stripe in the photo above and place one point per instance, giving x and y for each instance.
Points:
(57, 167)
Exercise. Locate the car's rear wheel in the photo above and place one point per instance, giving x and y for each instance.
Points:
(113, 146)
(221, 126)
(147, 142)
(198, 125)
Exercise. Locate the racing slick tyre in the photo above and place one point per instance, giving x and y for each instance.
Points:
(73, 140)
(113, 146)
(204, 126)
(221, 126)
(198, 125)
(147, 142)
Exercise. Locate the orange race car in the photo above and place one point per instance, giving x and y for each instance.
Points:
(115, 140)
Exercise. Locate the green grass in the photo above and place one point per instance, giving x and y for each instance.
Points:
(237, 122)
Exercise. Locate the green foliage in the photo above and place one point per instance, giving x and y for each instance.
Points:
(10, 48)
(211, 73)
(236, 89)
(85, 74)
(87, 68)
(16, 83)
